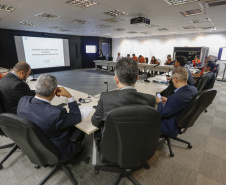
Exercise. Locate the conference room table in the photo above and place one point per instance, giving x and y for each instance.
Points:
(141, 66)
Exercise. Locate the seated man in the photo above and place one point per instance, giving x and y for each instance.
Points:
(209, 74)
(13, 87)
(179, 62)
(126, 75)
(175, 103)
(54, 121)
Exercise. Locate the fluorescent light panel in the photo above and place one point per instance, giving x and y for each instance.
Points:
(119, 29)
(116, 13)
(131, 32)
(102, 26)
(82, 3)
(162, 29)
(188, 27)
(78, 21)
(201, 20)
(179, 2)
(6, 8)
(47, 15)
(77, 30)
(193, 12)
(27, 23)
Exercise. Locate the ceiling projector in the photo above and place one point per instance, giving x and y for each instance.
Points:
(140, 20)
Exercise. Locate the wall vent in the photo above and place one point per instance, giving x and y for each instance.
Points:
(212, 3)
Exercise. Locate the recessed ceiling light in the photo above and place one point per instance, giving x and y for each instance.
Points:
(82, 3)
(146, 33)
(47, 15)
(77, 30)
(207, 28)
(28, 23)
(6, 8)
(78, 21)
(131, 32)
(116, 13)
(179, 2)
(107, 35)
(58, 28)
(193, 12)
(162, 29)
(102, 26)
(94, 32)
(152, 25)
(201, 20)
(119, 29)
(188, 27)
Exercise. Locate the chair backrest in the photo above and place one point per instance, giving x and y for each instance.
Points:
(1, 108)
(1, 111)
(30, 138)
(211, 81)
(201, 82)
(110, 58)
(131, 135)
(195, 107)
(104, 58)
(147, 60)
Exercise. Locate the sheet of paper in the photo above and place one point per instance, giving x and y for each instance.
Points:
(85, 111)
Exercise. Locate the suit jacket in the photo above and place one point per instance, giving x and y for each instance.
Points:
(118, 98)
(54, 121)
(173, 106)
(11, 90)
(170, 89)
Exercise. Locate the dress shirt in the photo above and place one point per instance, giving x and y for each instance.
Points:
(69, 100)
(118, 58)
(127, 87)
(178, 89)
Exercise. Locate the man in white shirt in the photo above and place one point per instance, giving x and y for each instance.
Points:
(119, 57)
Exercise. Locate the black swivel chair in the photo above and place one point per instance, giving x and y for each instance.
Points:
(15, 147)
(130, 138)
(35, 144)
(201, 82)
(110, 58)
(191, 113)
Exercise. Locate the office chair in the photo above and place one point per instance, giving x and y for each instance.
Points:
(130, 138)
(35, 144)
(190, 114)
(15, 147)
(110, 58)
(201, 82)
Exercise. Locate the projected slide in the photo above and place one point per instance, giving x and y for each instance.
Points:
(42, 52)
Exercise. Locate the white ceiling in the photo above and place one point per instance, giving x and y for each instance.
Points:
(158, 11)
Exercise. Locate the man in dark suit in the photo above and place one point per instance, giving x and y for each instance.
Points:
(54, 121)
(209, 75)
(126, 75)
(175, 103)
(179, 62)
(13, 87)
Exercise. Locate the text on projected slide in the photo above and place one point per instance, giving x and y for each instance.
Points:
(43, 52)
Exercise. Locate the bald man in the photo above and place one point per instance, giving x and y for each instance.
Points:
(13, 87)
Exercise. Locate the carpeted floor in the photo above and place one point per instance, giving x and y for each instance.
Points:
(204, 164)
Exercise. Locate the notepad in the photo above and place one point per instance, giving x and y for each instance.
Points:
(85, 111)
